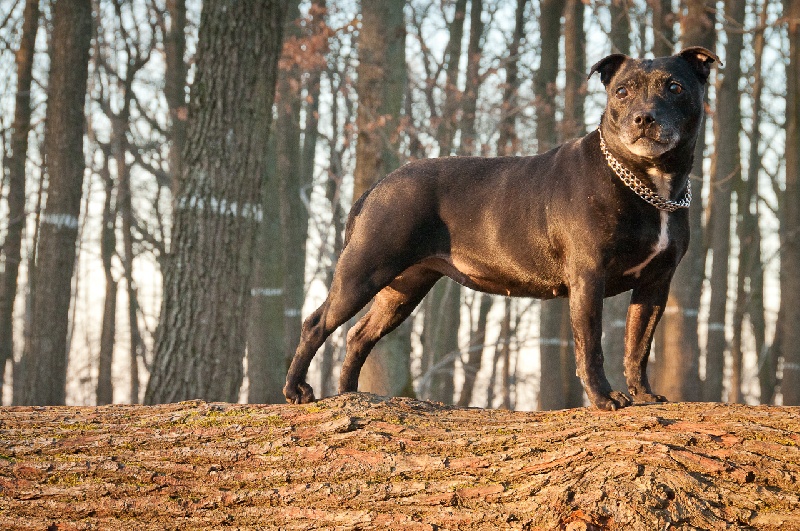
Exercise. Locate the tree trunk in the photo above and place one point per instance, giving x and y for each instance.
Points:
(473, 79)
(108, 246)
(449, 123)
(727, 170)
(750, 232)
(790, 247)
(10, 255)
(381, 84)
(663, 31)
(678, 351)
(749, 297)
(620, 34)
(266, 350)
(175, 87)
(200, 343)
(45, 365)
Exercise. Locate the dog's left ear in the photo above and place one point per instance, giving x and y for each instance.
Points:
(608, 66)
(700, 60)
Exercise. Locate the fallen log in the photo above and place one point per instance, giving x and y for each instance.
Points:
(360, 461)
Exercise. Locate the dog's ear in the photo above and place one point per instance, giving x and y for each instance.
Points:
(700, 60)
(608, 66)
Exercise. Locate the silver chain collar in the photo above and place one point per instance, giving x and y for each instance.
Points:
(641, 189)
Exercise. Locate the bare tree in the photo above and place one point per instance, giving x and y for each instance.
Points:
(727, 170)
(10, 254)
(200, 343)
(45, 357)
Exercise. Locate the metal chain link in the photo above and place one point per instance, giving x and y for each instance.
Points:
(641, 189)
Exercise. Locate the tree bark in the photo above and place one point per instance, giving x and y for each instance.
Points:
(200, 343)
(678, 352)
(45, 364)
(266, 340)
(381, 84)
(663, 31)
(10, 250)
(365, 462)
(790, 247)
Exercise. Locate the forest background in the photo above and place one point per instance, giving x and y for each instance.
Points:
(176, 178)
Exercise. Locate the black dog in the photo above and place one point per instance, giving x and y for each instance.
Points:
(590, 219)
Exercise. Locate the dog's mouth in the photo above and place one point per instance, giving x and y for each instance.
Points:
(649, 145)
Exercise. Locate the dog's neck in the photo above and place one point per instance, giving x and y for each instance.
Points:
(655, 186)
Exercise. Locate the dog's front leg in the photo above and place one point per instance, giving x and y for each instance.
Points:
(586, 292)
(645, 310)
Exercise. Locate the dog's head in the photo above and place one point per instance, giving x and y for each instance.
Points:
(654, 104)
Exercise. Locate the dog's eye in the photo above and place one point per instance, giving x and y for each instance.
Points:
(675, 88)
(622, 92)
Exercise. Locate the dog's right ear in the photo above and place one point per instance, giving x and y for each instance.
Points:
(608, 66)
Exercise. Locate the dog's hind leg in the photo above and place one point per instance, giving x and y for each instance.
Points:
(346, 297)
(392, 305)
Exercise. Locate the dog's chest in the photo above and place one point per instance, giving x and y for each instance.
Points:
(660, 244)
(655, 247)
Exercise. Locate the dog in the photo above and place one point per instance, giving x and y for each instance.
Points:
(592, 218)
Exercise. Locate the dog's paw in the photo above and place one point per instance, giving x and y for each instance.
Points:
(300, 393)
(648, 398)
(614, 401)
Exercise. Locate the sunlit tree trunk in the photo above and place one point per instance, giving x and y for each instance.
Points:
(381, 84)
(750, 275)
(200, 343)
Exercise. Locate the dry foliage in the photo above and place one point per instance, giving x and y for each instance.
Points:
(361, 461)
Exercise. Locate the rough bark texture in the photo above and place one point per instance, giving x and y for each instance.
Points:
(266, 340)
(200, 343)
(45, 359)
(10, 247)
(364, 462)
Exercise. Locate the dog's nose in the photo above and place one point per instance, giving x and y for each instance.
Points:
(644, 119)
